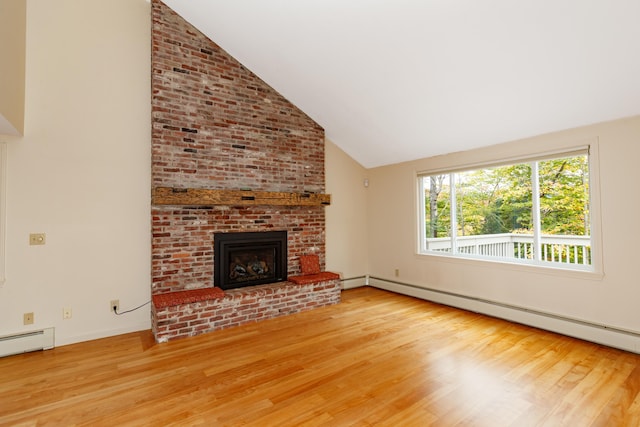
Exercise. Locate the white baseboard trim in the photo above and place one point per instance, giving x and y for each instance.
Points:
(60, 341)
(354, 282)
(600, 334)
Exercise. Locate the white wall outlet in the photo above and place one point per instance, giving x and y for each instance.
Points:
(114, 307)
(66, 313)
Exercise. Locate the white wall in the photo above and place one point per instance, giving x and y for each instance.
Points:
(12, 57)
(81, 173)
(608, 299)
(346, 217)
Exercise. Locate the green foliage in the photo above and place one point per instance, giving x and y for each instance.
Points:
(499, 200)
(564, 196)
(438, 218)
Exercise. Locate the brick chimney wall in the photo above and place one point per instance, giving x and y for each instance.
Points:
(216, 125)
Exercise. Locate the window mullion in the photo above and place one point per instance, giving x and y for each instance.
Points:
(535, 206)
(423, 215)
(454, 214)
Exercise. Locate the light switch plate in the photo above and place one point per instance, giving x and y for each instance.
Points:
(37, 239)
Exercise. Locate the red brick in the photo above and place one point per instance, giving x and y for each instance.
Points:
(217, 125)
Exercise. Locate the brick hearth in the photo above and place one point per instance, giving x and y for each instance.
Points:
(215, 125)
(195, 315)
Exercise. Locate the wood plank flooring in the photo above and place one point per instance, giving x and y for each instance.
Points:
(376, 359)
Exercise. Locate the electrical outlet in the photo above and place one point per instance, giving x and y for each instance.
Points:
(115, 306)
(28, 318)
(397, 272)
(66, 313)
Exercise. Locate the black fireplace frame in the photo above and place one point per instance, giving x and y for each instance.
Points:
(225, 243)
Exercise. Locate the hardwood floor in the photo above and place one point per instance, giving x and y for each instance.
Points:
(375, 359)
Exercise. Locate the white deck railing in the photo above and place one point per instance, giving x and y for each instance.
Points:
(557, 249)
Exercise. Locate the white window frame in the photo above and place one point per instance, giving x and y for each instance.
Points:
(591, 148)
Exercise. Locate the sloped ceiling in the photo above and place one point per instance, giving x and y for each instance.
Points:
(397, 80)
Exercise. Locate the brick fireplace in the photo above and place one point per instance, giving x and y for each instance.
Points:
(229, 154)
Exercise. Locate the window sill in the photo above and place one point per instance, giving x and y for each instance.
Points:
(594, 274)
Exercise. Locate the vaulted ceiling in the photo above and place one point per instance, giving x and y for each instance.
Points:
(397, 80)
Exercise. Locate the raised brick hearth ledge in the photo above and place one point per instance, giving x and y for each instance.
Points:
(314, 278)
(186, 297)
(192, 312)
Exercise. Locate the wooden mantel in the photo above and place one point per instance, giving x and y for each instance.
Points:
(208, 197)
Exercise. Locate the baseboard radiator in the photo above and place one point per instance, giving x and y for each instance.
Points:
(601, 334)
(24, 342)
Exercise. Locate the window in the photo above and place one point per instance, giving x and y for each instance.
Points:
(535, 211)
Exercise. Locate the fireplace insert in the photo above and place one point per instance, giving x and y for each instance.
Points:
(248, 259)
